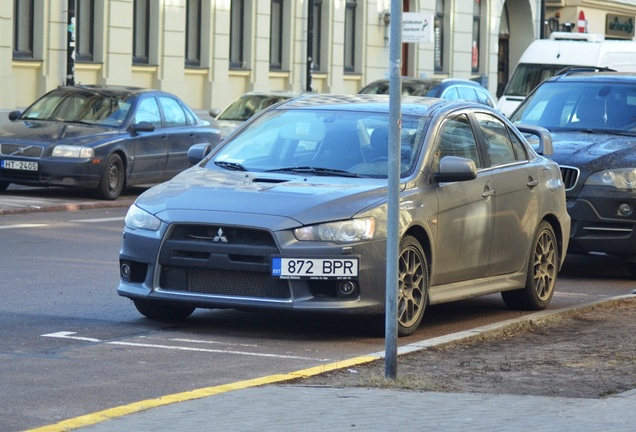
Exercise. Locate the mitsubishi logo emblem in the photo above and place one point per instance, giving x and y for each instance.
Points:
(219, 237)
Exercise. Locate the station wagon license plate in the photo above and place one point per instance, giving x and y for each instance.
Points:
(315, 268)
(19, 165)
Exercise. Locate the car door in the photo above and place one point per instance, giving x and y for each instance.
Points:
(465, 218)
(150, 147)
(180, 135)
(515, 180)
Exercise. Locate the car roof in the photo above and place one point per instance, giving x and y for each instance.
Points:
(595, 77)
(111, 90)
(413, 105)
(431, 81)
(273, 93)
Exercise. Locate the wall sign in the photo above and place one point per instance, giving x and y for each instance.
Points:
(619, 26)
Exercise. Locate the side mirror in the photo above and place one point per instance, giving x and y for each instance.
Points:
(143, 126)
(545, 146)
(214, 112)
(454, 168)
(198, 152)
(14, 115)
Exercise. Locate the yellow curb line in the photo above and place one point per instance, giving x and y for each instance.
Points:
(112, 413)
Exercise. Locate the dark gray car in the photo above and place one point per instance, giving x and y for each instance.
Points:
(592, 118)
(290, 213)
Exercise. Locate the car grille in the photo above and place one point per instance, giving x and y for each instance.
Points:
(570, 176)
(220, 260)
(20, 150)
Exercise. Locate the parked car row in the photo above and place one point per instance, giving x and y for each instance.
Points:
(287, 209)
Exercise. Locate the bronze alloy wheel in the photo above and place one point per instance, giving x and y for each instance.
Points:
(412, 286)
(541, 275)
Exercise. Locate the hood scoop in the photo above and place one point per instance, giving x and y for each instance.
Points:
(269, 180)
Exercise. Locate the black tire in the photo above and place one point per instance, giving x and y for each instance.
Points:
(163, 311)
(543, 265)
(632, 269)
(412, 285)
(113, 178)
(4, 185)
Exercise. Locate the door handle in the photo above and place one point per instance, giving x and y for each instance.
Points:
(532, 182)
(488, 193)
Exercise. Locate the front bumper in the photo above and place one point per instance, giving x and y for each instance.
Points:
(177, 265)
(603, 220)
(69, 172)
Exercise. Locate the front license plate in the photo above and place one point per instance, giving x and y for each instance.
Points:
(315, 268)
(19, 165)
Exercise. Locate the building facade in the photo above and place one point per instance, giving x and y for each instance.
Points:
(211, 51)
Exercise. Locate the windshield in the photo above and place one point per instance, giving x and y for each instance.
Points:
(590, 106)
(79, 107)
(320, 142)
(527, 76)
(247, 106)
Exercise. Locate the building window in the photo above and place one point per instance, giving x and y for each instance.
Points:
(193, 33)
(84, 25)
(23, 29)
(350, 36)
(141, 29)
(439, 36)
(237, 30)
(317, 37)
(276, 36)
(476, 42)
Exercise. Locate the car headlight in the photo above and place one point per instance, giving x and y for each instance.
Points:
(137, 218)
(343, 231)
(70, 151)
(621, 178)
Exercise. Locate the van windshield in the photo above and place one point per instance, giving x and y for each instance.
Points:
(527, 76)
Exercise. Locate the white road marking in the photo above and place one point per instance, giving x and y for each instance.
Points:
(195, 341)
(97, 220)
(69, 335)
(23, 226)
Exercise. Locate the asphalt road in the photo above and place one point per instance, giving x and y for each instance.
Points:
(70, 346)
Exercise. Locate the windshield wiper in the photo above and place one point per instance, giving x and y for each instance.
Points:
(316, 170)
(230, 165)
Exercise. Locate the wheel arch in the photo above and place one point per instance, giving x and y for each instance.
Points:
(556, 226)
(422, 236)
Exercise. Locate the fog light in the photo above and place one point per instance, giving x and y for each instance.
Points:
(346, 288)
(625, 209)
(125, 271)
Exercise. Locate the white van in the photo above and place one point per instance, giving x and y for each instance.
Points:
(545, 57)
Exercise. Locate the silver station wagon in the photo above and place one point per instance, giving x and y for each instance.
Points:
(290, 213)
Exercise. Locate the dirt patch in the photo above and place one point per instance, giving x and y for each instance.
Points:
(590, 353)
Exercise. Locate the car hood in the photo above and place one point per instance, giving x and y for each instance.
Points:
(581, 149)
(46, 133)
(305, 199)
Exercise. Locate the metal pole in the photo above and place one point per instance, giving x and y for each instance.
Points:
(70, 40)
(542, 19)
(393, 241)
(310, 42)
